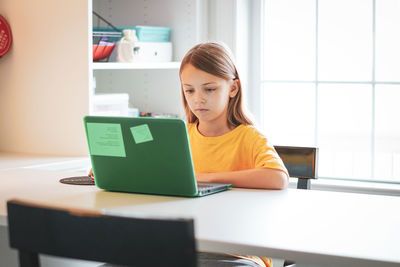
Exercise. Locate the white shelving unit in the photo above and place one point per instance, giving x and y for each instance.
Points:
(57, 82)
(153, 86)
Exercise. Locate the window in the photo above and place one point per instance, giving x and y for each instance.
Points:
(331, 79)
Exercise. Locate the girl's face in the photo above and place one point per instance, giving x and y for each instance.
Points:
(207, 95)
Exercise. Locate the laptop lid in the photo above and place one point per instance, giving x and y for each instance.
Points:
(141, 155)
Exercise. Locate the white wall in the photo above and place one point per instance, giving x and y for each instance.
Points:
(44, 79)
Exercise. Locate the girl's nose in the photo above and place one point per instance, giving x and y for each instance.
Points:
(199, 98)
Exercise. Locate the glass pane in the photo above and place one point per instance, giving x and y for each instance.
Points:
(345, 40)
(289, 113)
(344, 130)
(387, 133)
(387, 40)
(289, 40)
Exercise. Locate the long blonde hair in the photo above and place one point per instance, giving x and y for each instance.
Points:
(216, 59)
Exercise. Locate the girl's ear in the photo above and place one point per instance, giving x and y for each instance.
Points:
(234, 88)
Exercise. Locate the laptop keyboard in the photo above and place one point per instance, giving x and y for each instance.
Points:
(209, 188)
(205, 186)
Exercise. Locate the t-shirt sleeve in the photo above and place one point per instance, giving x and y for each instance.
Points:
(265, 155)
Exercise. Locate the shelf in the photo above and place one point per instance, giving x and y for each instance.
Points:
(135, 65)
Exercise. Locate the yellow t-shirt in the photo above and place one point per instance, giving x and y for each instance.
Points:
(243, 148)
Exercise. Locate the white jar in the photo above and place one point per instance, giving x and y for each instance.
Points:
(126, 46)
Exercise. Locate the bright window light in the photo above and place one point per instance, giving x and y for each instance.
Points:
(296, 114)
(345, 40)
(388, 40)
(331, 79)
(289, 40)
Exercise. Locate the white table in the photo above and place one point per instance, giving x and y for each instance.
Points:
(313, 227)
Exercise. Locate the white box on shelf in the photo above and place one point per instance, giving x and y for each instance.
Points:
(111, 104)
(153, 52)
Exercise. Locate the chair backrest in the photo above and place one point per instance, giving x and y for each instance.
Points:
(301, 162)
(92, 236)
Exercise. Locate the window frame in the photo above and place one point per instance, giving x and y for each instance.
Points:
(256, 82)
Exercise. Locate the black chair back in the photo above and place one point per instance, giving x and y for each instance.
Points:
(301, 162)
(78, 234)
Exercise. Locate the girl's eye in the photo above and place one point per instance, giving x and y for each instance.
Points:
(210, 89)
(189, 91)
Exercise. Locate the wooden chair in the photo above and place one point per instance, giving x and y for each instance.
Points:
(301, 162)
(35, 230)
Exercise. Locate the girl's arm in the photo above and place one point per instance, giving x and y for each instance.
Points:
(263, 178)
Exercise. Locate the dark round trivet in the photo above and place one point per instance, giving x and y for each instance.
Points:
(79, 180)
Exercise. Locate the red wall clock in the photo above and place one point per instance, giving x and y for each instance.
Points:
(5, 36)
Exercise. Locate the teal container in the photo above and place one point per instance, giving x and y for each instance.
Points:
(153, 33)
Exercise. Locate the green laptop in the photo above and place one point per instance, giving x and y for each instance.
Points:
(144, 155)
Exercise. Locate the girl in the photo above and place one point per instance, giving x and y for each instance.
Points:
(225, 145)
